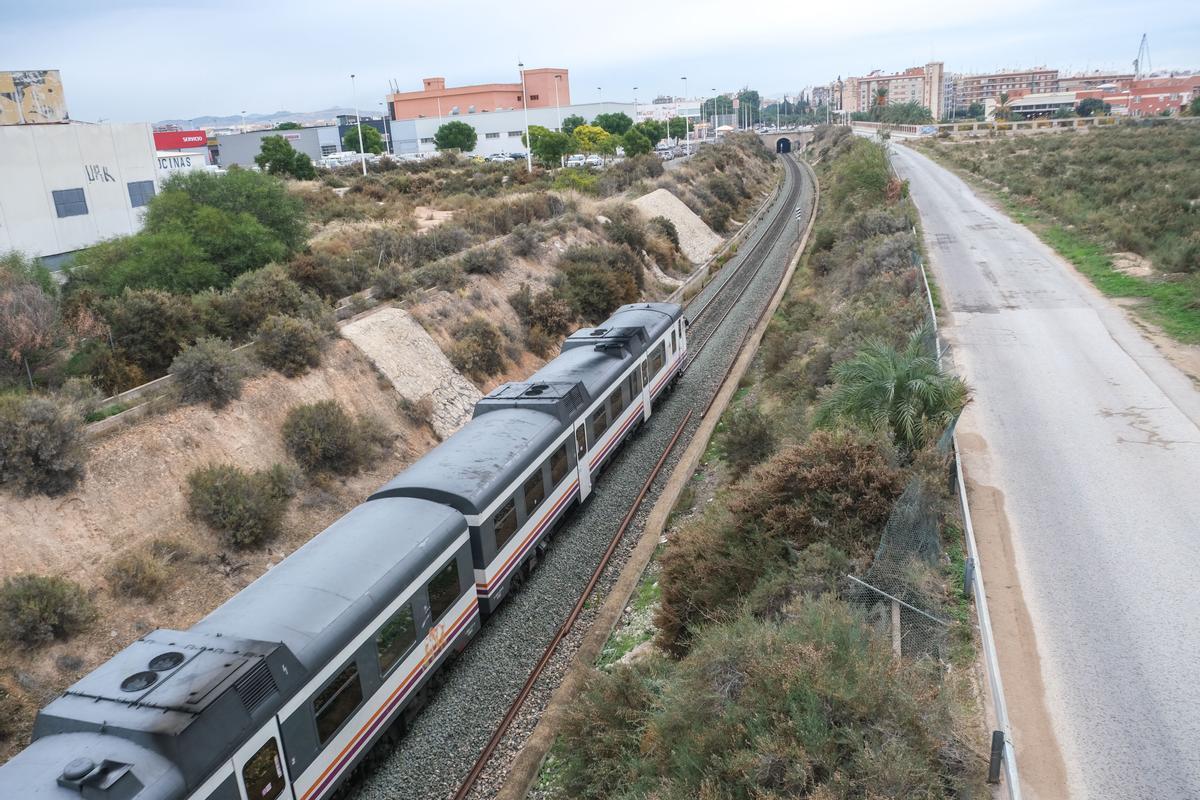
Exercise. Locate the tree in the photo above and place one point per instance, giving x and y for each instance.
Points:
(1193, 108)
(749, 98)
(616, 123)
(1002, 108)
(975, 111)
(1092, 105)
(288, 126)
(902, 392)
(1065, 112)
(591, 139)
(456, 135)
(240, 190)
(547, 146)
(636, 143)
(652, 129)
(569, 124)
(278, 157)
(677, 127)
(878, 101)
(153, 259)
(372, 140)
(718, 105)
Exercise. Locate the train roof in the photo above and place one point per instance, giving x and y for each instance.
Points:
(654, 317)
(121, 770)
(469, 470)
(317, 600)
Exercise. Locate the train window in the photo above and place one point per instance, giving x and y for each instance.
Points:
(599, 423)
(395, 638)
(615, 406)
(443, 590)
(336, 702)
(535, 492)
(263, 773)
(635, 383)
(580, 441)
(559, 465)
(505, 523)
(645, 376)
(673, 344)
(657, 359)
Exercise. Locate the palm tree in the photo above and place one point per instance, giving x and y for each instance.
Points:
(902, 392)
(1002, 106)
(879, 100)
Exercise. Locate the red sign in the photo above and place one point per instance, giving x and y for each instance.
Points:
(179, 140)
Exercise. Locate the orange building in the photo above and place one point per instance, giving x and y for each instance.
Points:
(1147, 97)
(547, 88)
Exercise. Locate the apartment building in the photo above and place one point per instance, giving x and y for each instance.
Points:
(921, 85)
(547, 87)
(1092, 80)
(977, 88)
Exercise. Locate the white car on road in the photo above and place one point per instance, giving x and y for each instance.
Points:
(577, 160)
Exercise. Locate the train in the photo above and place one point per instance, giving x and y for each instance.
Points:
(283, 690)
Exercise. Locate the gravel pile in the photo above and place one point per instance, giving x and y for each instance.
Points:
(448, 736)
(696, 239)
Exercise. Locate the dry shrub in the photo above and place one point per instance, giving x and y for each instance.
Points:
(41, 445)
(244, 508)
(138, 573)
(746, 437)
(290, 345)
(716, 216)
(599, 279)
(37, 609)
(391, 282)
(837, 487)
(545, 310)
(323, 437)
(477, 349)
(151, 326)
(525, 240)
(485, 260)
(209, 371)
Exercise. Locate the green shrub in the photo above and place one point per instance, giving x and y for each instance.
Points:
(209, 372)
(666, 228)
(599, 279)
(245, 509)
(391, 282)
(444, 274)
(478, 349)
(37, 609)
(330, 275)
(41, 445)
(257, 295)
(545, 310)
(290, 345)
(434, 244)
(485, 260)
(625, 227)
(722, 188)
(812, 706)
(323, 437)
(824, 238)
(746, 437)
(150, 327)
(137, 573)
(524, 240)
(716, 216)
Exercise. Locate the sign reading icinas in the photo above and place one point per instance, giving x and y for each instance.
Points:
(179, 140)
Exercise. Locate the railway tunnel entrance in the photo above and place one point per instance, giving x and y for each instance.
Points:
(783, 145)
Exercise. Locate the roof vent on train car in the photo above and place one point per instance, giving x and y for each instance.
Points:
(165, 661)
(255, 686)
(109, 779)
(599, 332)
(139, 681)
(536, 390)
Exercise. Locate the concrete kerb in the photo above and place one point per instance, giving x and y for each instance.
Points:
(529, 760)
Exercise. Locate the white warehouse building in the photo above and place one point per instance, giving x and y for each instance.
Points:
(66, 186)
(499, 131)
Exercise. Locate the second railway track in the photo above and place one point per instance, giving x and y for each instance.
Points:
(533, 634)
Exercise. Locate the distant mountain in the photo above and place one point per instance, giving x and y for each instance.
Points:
(273, 118)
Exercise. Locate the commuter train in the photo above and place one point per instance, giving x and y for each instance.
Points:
(282, 691)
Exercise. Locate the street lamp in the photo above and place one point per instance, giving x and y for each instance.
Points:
(243, 120)
(687, 144)
(525, 102)
(635, 119)
(362, 156)
(387, 135)
(601, 91)
(712, 118)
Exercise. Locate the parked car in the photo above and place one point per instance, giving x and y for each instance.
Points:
(517, 156)
(577, 160)
(498, 157)
(665, 155)
(595, 161)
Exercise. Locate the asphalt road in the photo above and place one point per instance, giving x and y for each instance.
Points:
(1092, 440)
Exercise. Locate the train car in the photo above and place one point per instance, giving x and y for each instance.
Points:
(533, 448)
(281, 691)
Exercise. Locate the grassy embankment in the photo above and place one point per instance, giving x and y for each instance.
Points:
(1095, 195)
(768, 675)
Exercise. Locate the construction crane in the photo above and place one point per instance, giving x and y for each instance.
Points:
(1141, 64)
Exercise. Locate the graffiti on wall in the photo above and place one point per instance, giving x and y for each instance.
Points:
(29, 97)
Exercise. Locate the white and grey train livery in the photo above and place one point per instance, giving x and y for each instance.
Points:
(283, 690)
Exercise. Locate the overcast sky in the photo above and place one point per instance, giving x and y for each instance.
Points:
(146, 60)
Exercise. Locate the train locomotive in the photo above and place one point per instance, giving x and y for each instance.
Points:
(283, 690)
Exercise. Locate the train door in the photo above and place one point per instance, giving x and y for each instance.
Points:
(585, 475)
(637, 385)
(259, 766)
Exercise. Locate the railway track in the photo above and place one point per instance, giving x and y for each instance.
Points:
(526, 616)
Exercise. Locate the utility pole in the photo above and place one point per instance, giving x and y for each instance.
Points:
(525, 102)
(687, 143)
(557, 108)
(387, 137)
(362, 156)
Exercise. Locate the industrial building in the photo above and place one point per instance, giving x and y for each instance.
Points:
(547, 88)
(499, 131)
(241, 148)
(68, 185)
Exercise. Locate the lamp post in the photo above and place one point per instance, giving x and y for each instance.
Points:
(635, 119)
(557, 109)
(243, 120)
(600, 89)
(362, 157)
(687, 142)
(712, 118)
(525, 103)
